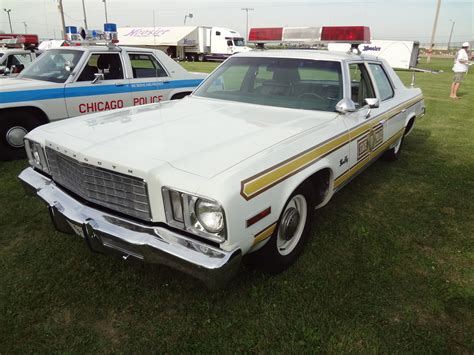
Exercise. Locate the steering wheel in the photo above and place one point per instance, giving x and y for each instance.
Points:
(310, 94)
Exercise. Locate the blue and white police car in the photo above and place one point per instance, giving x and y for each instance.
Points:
(84, 78)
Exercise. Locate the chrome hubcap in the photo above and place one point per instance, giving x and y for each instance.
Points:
(289, 223)
(15, 136)
(292, 224)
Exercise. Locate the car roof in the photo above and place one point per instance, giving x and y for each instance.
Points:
(316, 54)
(104, 48)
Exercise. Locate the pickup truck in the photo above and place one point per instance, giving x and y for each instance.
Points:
(76, 80)
(235, 169)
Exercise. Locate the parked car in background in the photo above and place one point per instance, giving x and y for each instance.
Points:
(76, 80)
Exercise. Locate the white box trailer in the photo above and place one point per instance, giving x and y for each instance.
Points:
(186, 42)
(399, 54)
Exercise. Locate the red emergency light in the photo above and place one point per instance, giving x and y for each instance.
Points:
(263, 35)
(20, 39)
(347, 34)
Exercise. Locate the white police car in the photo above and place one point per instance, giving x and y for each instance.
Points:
(236, 168)
(76, 80)
(17, 51)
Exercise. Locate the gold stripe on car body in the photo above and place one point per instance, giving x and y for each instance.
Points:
(264, 180)
(362, 164)
(272, 176)
(265, 234)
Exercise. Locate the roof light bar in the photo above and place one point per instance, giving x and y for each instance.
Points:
(347, 34)
(264, 35)
(18, 40)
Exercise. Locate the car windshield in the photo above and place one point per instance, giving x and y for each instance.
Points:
(51, 65)
(282, 82)
(239, 42)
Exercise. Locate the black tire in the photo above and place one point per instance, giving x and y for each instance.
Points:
(12, 126)
(394, 153)
(270, 257)
(180, 95)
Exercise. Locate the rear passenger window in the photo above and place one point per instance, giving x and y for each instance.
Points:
(146, 66)
(382, 82)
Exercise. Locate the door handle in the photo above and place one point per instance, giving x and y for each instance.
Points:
(166, 82)
(119, 84)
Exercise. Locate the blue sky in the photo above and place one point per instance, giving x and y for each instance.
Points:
(397, 19)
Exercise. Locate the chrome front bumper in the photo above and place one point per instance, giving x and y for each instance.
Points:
(106, 233)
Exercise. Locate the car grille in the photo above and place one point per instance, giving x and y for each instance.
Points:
(121, 193)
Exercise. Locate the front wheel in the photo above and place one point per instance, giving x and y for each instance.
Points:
(13, 128)
(291, 233)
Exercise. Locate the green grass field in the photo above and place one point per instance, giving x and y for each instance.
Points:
(389, 268)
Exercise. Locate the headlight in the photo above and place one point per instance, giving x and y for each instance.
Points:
(210, 215)
(36, 156)
(198, 215)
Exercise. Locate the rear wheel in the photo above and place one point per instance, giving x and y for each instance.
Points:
(394, 153)
(291, 233)
(14, 125)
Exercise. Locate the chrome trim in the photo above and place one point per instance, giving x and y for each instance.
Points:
(119, 192)
(188, 224)
(106, 233)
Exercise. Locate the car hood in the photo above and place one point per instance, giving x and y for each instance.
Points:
(197, 135)
(16, 83)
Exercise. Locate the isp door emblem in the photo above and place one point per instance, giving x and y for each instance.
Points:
(369, 142)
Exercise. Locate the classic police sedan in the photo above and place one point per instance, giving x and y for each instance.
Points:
(236, 168)
(72, 81)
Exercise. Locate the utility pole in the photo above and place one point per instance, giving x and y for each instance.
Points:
(247, 9)
(26, 26)
(9, 19)
(105, 8)
(430, 50)
(451, 34)
(187, 16)
(85, 17)
(63, 23)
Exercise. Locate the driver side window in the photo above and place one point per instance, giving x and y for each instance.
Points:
(361, 86)
(108, 64)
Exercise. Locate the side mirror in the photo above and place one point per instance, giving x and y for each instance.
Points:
(98, 77)
(69, 66)
(4, 70)
(345, 105)
(373, 103)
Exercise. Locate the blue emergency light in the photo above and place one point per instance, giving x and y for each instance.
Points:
(110, 30)
(72, 34)
(110, 27)
(71, 30)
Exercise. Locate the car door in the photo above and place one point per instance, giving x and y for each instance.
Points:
(394, 118)
(366, 131)
(150, 83)
(101, 85)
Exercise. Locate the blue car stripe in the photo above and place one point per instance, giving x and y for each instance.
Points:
(59, 93)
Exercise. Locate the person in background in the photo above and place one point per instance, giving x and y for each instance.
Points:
(460, 69)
